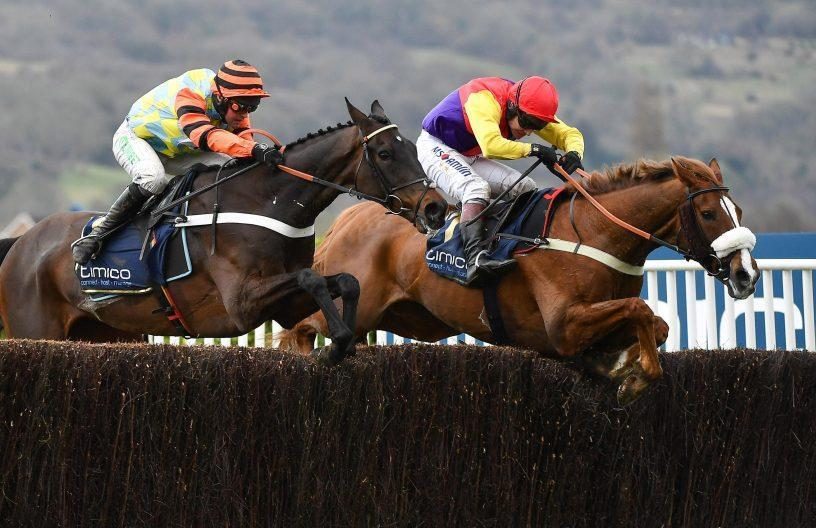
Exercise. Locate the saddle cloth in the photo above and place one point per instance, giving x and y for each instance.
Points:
(119, 270)
(527, 216)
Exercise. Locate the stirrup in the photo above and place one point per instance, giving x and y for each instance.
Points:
(493, 266)
(77, 246)
(476, 260)
(80, 239)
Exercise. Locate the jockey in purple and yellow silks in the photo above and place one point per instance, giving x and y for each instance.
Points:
(190, 119)
(482, 121)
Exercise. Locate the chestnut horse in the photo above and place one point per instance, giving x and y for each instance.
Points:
(256, 274)
(561, 304)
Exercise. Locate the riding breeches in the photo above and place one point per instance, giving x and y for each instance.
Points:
(149, 169)
(467, 178)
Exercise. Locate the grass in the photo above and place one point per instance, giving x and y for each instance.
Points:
(92, 186)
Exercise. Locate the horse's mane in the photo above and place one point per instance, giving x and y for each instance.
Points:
(626, 175)
(321, 132)
(329, 129)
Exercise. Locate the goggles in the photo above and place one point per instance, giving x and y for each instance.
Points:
(238, 106)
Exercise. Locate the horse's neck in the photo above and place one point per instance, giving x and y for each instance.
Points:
(651, 207)
(328, 157)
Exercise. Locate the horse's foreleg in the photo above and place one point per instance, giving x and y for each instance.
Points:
(342, 335)
(348, 288)
(592, 325)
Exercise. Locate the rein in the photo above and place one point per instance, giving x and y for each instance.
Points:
(721, 271)
(391, 201)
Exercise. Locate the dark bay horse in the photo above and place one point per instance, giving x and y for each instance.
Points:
(256, 274)
(560, 304)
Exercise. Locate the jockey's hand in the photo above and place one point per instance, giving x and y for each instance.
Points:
(570, 162)
(546, 154)
(271, 156)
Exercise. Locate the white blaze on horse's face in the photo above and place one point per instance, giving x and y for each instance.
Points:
(744, 273)
(730, 209)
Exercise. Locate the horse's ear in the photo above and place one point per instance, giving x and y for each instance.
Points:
(682, 171)
(377, 110)
(715, 168)
(357, 116)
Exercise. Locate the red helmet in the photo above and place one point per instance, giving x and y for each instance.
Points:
(237, 78)
(537, 97)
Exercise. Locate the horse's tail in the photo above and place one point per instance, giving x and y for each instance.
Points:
(5, 246)
(300, 338)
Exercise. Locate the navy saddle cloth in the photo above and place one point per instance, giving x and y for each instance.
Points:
(119, 270)
(527, 216)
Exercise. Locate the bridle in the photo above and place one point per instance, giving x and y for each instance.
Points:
(699, 251)
(390, 201)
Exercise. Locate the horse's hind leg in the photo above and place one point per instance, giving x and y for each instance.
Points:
(87, 329)
(27, 315)
(301, 338)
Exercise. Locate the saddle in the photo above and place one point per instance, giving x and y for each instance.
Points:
(524, 221)
(144, 253)
(521, 221)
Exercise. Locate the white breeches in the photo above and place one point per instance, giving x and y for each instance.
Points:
(467, 178)
(149, 169)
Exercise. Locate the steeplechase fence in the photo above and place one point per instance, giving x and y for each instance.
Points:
(131, 434)
(700, 313)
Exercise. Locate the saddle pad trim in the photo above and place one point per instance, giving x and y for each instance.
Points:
(593, 253)
(122, 292)
(245, 218)
(186, 259)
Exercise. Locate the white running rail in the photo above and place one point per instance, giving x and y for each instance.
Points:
(697, 307)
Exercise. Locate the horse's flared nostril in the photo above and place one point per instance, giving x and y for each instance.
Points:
(435, 214)
(742, 277)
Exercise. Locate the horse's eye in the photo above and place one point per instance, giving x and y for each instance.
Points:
(708, 215)
(384, 155)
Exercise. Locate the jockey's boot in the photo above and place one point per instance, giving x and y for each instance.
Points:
(123, 210)
(479, 264)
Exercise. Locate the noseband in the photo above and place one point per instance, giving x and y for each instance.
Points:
(706, 254)
(699, 250)
(390, 201)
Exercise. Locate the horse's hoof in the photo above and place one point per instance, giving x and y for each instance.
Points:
(351, 351)
(621, 373)
(631, 389)
(324, 356)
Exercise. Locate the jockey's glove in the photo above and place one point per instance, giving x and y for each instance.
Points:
(546, 154)
(271, 156)
(570, 162)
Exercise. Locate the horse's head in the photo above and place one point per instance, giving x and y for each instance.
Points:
(710, 227)
(391, 171)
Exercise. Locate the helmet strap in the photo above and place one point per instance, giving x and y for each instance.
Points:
(518, 91)
(219, 101)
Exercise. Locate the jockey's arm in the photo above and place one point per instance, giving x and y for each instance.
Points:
(484, 113)
(564, 137)
(191, 111)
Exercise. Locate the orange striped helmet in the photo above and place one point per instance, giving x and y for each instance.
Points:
(237, 78)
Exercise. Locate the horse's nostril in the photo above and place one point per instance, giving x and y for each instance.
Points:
(742, 276)
(435, 214)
